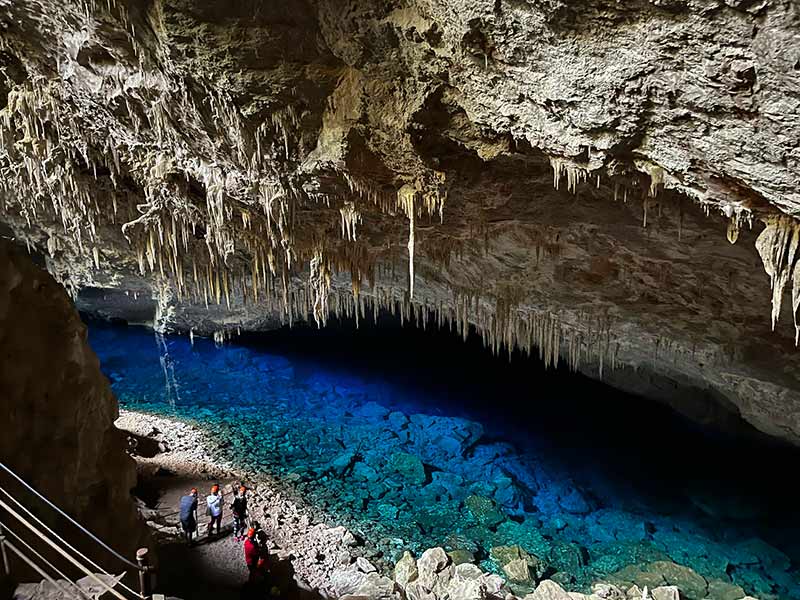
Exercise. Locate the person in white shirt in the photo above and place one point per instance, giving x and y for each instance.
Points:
(215, 501)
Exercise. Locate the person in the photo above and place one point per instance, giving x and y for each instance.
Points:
(252, 553)
(239, 508)
(188, 514)
(215, 501)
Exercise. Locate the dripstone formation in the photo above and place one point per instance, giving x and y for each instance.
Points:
(614, 184)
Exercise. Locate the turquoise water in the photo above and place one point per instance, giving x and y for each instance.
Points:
(417, 441)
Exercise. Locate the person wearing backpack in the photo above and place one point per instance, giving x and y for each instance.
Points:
(239, 508)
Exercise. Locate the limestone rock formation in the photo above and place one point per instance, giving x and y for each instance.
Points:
(58, 412)
(561, 175)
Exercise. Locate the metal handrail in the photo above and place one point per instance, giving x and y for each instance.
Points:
(38, 528)
(71, 520)
(27, 560)
(6, 529)
(62, 552)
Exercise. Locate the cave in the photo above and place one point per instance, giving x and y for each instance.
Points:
(469, 300)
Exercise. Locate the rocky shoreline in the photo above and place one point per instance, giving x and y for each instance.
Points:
(330, 560)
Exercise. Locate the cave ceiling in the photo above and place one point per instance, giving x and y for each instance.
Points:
(614, 184)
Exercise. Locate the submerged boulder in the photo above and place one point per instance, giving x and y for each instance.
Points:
(461, 556)
(692, 585)
(343, 463)
(567, 556)
(484, 510)
(408, 466)
(722, 590)
(638, 576)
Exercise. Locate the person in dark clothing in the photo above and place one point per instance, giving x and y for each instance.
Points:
(239, 508)
(188, 515)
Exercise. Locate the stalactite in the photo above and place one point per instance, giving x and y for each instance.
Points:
(575, 173)
(778, 247)
(405, 200)
(350, 217)
(320, 283)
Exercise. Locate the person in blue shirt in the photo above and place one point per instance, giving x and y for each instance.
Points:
(188, 514)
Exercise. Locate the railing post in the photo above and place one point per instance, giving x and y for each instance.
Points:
(6, 567)
(145, 589)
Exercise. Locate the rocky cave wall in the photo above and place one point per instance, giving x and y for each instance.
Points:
(58, 413)
(567, 177)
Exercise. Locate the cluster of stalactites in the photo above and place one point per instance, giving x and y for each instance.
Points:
(40, 144)
(47, 140)
(575, 173)
(501, 323)
(319, 281)
(350, 218)
(778, 247)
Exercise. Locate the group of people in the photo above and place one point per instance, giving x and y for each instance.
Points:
(255, 540)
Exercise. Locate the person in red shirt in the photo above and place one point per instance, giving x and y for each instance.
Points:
(251, 553)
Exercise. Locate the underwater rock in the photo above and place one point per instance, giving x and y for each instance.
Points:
(691, 584)
(484, 510)
(565, 556)
(526, 534)
(517, 570)
(722, 590)
(410, 467)
(758, 550)
(609, 525)
(503, 555)
(461, 556)
(343, 463)
(517, 564)
(574, 503)
(636, 575)
(405, 571)
(364, 472)
(506, 493)
(397, 420)
(440, 439)
(371, 410)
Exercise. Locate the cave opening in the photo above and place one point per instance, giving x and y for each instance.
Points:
(418, 439)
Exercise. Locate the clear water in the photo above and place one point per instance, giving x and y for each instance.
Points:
(417, 440)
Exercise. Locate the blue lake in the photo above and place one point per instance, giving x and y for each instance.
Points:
(417, 440)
